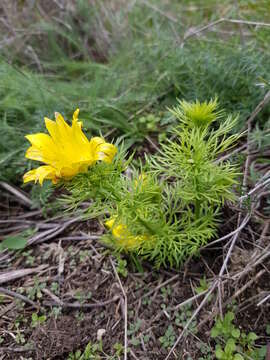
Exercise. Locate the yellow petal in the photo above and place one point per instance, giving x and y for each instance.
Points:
(40, 140)
(64, 129)
(117, 230)
(120, 231)
(69, 172)
(102, 150)
(42, 149)
(123, 238)
(95, 142)
(109, 223)
(52, 128)
(40, 174)
(77, 132)
(76, 115)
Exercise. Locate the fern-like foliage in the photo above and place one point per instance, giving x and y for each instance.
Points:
(190, 159)
(167, 213)
(168, 209)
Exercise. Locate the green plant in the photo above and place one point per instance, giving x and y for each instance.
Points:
(81, 296)
(94, 351)
(229, 351)
(233, 344)
(16, 242)
(90, 352)
(20, 339)
(182, 317)
(30, 259)
(146, 124)
(37, 320)
(40, 196)
(166, 292)
(203, 286)
(206, 351)
(35, 291)
(55, 287)
(84, 255)
(121, 266)
(168, 208)
(168, 339)
(191, 159)
(133, 332)
(168, 220)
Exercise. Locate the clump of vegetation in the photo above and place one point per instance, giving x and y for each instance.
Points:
(125, 64)
(144, 65)
(234, 344)
(169, 208)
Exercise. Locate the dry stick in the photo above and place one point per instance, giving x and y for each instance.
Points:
(195, 297)
(16, 274)
(257, 187)
(258, 260)
(263, 300)
(240, 274)
(209, 292)
(42, 235)
(227, 156)
(18, 296)
(59, 230)
(160, 286)
(243, 288)
(22, 198)
(125, 298)
(51, 233)
(260, 106)
(237, 150)
(239, 292)
(80, 237)
(155, 8)
(233, 21)
(4, 349)
(132, 354)
(240, 227)
(79, 305)
(52, 296)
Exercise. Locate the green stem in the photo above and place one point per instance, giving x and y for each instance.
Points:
(136, 262)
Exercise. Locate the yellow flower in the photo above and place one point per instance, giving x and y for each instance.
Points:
(125, 239)
(66, 151)
(142, 179)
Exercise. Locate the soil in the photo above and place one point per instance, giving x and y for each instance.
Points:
(79, 272)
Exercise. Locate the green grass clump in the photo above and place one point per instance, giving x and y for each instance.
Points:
(117, 77)
(193, 72)
(170, 209)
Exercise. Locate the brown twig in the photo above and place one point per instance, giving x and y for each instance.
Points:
(18, 296)
(208, 293)
(125, 305)
(17, 274)
(159, 286)
(21, 196)
(78, 305)
(221, 20)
